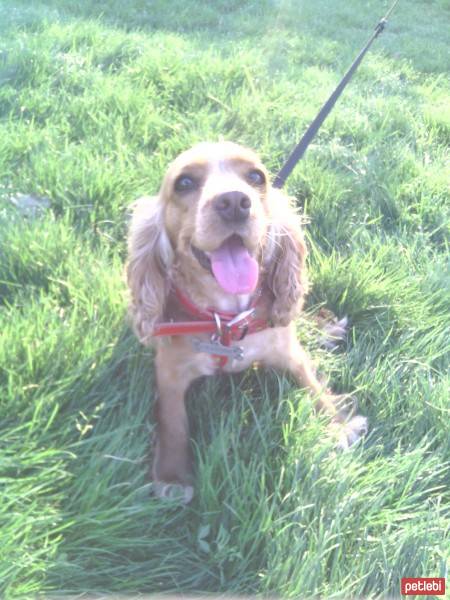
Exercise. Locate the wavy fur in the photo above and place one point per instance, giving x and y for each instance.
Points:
(149, 264)
(285, 260)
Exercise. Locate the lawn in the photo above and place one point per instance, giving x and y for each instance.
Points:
(95, 99)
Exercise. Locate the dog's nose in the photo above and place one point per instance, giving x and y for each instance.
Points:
(233, 206)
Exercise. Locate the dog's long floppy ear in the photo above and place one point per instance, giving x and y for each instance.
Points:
(150, 257)
(284, 258)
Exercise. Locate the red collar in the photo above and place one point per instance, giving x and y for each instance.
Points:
(224, 327)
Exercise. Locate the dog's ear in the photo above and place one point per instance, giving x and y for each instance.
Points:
(150, 258)
(284, 260)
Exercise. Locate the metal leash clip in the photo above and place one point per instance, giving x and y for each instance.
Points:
(243, 316)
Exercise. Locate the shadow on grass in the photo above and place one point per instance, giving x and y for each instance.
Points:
(324, 24)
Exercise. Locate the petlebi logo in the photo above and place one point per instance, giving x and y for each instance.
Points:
(422, 586)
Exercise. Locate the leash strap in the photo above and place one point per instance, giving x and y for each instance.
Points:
(310, 133)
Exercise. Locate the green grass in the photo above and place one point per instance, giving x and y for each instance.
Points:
(95, 99)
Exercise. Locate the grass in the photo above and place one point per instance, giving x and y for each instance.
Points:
(96, 98)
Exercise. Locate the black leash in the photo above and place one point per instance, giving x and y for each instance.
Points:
(309, 134)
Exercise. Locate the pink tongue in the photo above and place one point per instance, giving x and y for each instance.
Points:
(233, 267)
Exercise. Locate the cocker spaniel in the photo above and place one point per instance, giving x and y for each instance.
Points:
(217, 275)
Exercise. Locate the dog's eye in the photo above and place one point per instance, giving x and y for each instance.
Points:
(256, 177)
(185, 183)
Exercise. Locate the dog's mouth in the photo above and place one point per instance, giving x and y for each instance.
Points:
(232, 265)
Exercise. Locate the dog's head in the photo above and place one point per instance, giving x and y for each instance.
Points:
(218, 224)
(216, 208)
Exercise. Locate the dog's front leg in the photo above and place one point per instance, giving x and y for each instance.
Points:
(172, 461)
(287, 354)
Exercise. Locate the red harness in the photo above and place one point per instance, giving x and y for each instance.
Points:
(224, 327)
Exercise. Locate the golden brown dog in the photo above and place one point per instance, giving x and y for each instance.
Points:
(218, 243)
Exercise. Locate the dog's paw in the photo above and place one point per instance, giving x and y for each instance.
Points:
(173, 492)
(334, 330)
(349, 432)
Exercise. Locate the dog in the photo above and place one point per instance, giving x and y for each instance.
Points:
(217, 275)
